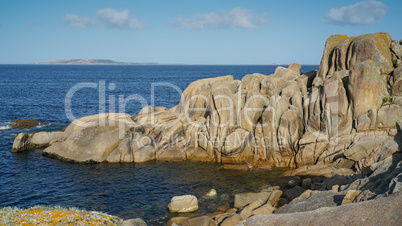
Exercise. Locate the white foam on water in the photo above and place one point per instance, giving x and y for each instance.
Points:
(5, 127)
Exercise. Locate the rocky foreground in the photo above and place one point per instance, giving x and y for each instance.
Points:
(340, 127)
(43, 215)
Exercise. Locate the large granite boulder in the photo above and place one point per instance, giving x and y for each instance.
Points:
(367, 88)
(344, 53)
(25, 141)
(91, 138)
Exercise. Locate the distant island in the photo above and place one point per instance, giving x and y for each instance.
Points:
(96, 62)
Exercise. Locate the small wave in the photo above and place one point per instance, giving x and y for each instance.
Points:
(4, 127)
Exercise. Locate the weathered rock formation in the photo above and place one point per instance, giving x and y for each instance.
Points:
(342, 117)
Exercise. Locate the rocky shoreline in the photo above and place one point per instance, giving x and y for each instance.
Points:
(340, 127)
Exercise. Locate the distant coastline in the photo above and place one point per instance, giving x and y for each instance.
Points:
(95, 62)
(111, 62)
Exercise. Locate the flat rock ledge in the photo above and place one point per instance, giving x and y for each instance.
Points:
(383, 211)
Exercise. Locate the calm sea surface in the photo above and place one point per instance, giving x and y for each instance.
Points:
(126, 190)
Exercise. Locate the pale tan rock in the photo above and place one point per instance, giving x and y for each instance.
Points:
(211, 193)
(224, 208)
(232, 210)
(242, 199)
(274, 197)
(364, 147)
(295, 67)
(264, 209)
(183, 204)
(397, 82)
(177, 220)
(231, 220)
(330, 44)
(199, 221)
(350, 196)
(247, 211)
(22, 142)
(44, 138)
(335, 188)
(91, 138)
(388, 115)
(134, 222)
(367, 88)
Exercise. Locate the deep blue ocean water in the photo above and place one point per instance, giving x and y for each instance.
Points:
(126, 190)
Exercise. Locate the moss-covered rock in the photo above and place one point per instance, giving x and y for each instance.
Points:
(24, 123)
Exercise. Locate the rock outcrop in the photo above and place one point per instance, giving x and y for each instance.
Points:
(338, 120)
(384, 211)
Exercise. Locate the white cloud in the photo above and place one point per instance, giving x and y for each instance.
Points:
(361, 13)
(79, 21)
(236, 18)
(115, 19)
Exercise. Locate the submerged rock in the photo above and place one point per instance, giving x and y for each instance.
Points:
(211, 193)
(24, 123)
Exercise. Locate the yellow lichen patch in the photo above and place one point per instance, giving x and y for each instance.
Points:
(54, 216)
(33, 211)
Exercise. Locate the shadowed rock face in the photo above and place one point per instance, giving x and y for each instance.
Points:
(283, 119)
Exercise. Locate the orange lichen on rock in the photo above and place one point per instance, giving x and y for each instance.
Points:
(54, 216)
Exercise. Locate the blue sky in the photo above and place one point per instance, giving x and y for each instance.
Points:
(190, 32)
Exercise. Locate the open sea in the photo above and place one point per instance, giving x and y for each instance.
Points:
(126, 190)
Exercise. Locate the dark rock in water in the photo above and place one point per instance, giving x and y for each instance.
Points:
(24, 123)
(295, 192)
(338, 180)
(384, 211)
